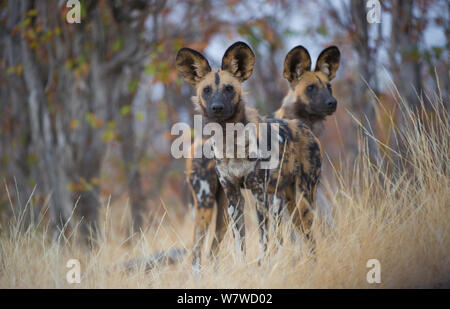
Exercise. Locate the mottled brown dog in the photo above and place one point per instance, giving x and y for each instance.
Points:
(219, 98)
(310, 96)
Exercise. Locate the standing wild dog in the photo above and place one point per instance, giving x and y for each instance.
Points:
(312, 107)
(219, 99)
(309, 99)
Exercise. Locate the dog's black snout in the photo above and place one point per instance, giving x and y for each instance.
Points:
(332, 103)
(217, 107)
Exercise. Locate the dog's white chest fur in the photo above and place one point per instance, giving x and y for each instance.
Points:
(235, 168)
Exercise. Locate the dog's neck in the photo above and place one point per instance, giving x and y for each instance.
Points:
(290, 110)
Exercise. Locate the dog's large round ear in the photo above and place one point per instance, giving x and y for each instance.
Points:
(192, 65)
(239, 60)
(328, 61)
(296, 63)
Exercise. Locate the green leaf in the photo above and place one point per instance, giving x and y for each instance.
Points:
(32, 12)
(162, 114)
(69, 64)
(133, 85)
(118, 44)
(112, 124)
(150, 69)
(108, 135)
(125, 110)
(90, 118)
(140, 116)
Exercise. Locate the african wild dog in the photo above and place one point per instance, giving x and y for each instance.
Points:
(309, 99)
(219, 99)
(312, 108)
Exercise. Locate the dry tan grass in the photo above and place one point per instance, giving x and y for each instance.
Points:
(402, 221)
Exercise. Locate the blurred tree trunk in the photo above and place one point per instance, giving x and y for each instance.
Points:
(128, 74)
(14, 151)
(43, 139)
(131, 164)
(404, 52)
(362, 102)
(405, 66)
(90, 159)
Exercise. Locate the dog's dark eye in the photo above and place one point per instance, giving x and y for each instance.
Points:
(329, 88)
(310, 87)
(207, 90)
(229, 88)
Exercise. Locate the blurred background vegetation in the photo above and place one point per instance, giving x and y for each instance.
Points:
(86, 109)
